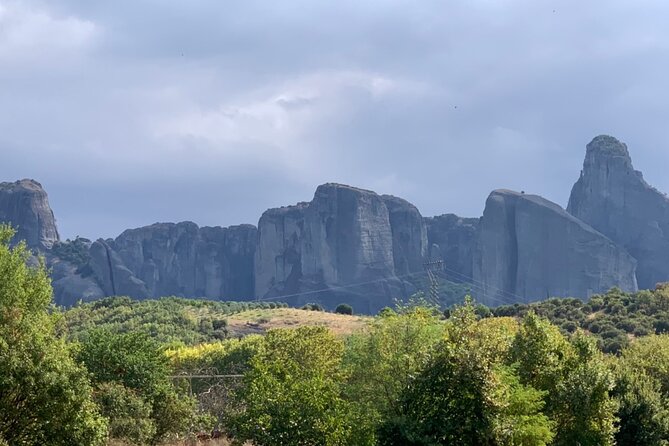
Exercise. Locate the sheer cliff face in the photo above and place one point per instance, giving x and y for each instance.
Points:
(25, 205)
(178, 259)
(410, 241)
(614, 198)
(343, 237)
(531, 249)
(453, 239)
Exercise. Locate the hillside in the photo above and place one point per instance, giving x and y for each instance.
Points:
(192, 321)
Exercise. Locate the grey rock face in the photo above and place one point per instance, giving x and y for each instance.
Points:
(278, 258)
(531, 249)
(24, 204)
(178, 259)
(409, 235)
(115, 278)
(453, 240)
(70, 286)
(343, 237)
(615, 199)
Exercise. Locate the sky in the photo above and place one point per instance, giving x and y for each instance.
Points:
(131, 112)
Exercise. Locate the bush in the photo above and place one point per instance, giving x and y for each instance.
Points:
(129, 415)
(313, 307)
(138, 363)
(344, 309)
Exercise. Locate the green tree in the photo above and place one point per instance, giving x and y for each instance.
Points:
(520, 420)
(129, 415)
(45, 397)
(584, 409)
(466, 396)
(344, 309)
(651, 354)
(574, 377)
(643, 413)
(383, 361)
(137, 362)
(292, 394)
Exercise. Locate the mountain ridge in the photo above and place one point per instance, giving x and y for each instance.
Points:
(350, 244)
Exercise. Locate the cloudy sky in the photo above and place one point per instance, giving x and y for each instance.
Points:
(136, 111)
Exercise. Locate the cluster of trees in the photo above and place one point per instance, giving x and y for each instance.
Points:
(168, 320)
(613, 319)
(76, 252)
(415, 379)
(104, 385)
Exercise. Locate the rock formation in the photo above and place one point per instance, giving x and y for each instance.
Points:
(352, 245)
(184, 260)
(615, 199)
(409, 235)
(114, 277)
(24, 204)
(164, 259)
(453, 240)
(340, 247)
(531, 249)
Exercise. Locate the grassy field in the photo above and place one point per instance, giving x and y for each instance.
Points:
(261, 320)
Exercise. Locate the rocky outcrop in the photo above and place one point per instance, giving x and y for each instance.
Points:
(164, 259)
(409, 235)
(337, 248)
(114, 277)
(24, 205)
(616, 200)
(531, 249)
(71, 285)
(168, 259)
(452, 239)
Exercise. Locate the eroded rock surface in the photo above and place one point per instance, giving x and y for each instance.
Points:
(453, 240)
(338, 248)
(616, 200)
(532, 249)
(24, 204)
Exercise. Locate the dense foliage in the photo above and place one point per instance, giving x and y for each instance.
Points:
(612, 318)
(76, 252)
(167, 320)
(560, 372)
(413, 378)
(45, 396)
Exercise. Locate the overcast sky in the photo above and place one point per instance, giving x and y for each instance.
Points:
(131, 112)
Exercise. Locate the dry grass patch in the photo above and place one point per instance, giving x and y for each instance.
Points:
(259, 321)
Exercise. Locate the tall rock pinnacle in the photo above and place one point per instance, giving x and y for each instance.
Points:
(24, 205)
(615, 199)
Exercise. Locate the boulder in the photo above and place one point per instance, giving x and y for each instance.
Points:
(616, 200)
(24, 204)
(531, 249)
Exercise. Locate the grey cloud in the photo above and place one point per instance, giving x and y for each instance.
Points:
(212, 111)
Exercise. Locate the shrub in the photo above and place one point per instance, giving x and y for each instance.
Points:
(344, 309)
(129, 415)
